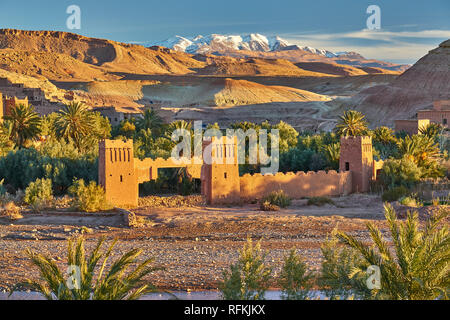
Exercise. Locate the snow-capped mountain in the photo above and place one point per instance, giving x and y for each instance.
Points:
(252, 42)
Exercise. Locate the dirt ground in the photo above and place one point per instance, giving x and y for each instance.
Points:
(193, 244)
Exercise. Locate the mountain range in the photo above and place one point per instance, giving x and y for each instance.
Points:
(272, 47)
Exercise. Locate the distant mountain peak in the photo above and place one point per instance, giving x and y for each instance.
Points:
(251, 42)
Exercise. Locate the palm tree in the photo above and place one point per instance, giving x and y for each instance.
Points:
(352, 123)
(114, 284)
(432, 130)
(149, 120)
(384, 135)
(420, 148)
(5, 137)
(178, 125)
(420, 268)
(332, 152)
(74, 122)
(26, 124)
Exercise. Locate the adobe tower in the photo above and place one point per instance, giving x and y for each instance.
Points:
(220, 171)
(356, 156)
(116, 172)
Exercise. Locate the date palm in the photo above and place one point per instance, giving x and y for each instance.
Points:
(5, 137)
(384, 135)
(149, 120)
(432, 130)
(26, 124)
(420, 148)
(178, 125)
(112, 284)
(419, 267)
(332, 152)
(352, 123)
(75, 122)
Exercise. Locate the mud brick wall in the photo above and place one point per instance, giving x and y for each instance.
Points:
(297, 185)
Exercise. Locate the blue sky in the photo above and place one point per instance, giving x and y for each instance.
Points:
(409, 29)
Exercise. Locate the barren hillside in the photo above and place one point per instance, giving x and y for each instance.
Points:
(427, 80)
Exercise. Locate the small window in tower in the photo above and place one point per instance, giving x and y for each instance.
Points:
(347, 166)
(121, 178)
(225, 175)
(444, 121)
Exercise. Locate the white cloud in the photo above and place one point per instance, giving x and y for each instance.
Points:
(387, 45)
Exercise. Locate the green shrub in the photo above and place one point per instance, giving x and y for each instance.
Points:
(88, 198)
(394, 194)
(410, 201)
(54, 161)
(248, 278)
(278, 198)
(38, 192)
(295, 280)
(400, 172)
(336, 279)
(319, 201)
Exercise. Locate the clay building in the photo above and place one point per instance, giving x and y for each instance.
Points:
(440, 113)
(116, 115)
(7, 103)
(120, 173)
(411, 126)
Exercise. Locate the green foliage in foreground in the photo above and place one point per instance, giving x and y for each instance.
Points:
(247, 279)
(420, 267)
(335, 276)
(113, 284)
(295, 280)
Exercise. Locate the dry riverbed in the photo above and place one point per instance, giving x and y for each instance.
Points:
(193, 244)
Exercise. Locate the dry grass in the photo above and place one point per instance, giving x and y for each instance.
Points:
(172, 201)
(11, 211)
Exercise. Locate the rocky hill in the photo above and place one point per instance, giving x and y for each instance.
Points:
(426, 81)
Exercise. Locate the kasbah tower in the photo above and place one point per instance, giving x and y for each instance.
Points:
(117, 174)
(357, 156)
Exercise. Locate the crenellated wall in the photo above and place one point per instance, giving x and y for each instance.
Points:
(297, 185)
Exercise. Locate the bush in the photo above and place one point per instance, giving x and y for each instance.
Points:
(57, 163)
(277, 198)
(38, 192)
(267, 206)
(295, 280)
(402, 172)
(410, 201)
(88, 198)
(248, 278)
(394, 194)
(319, 201)
(11, 211)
